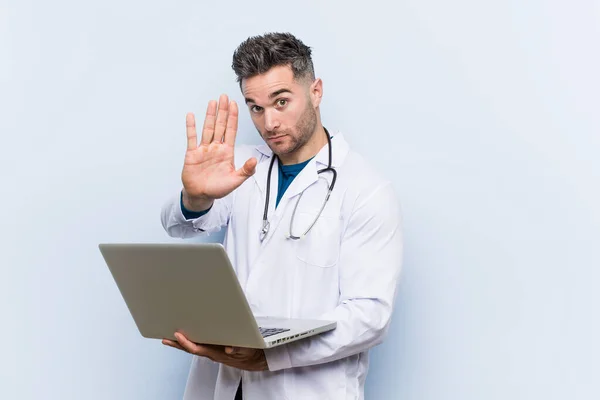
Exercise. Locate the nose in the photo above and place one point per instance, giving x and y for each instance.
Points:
(271, 121)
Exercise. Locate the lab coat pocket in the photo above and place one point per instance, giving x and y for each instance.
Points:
(321, 245)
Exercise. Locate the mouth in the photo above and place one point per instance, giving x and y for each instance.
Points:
(275, 137)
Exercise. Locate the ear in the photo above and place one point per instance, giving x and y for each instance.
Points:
(316, 92)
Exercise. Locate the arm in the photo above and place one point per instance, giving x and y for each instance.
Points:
(370, 264)
(182, 223)
(209, 174)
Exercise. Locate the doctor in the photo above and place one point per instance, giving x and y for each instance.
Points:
(313, 231)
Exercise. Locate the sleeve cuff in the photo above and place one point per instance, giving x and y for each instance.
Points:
(278, 358)
(187, 214)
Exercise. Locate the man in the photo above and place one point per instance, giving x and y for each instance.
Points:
(344, 269)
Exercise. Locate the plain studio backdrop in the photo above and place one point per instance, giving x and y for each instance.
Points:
(484, 114)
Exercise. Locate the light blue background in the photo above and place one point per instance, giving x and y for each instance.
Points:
(484, 114)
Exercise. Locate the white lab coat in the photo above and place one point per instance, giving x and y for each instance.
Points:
(346, 269)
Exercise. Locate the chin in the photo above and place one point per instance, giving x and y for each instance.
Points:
(283, 147)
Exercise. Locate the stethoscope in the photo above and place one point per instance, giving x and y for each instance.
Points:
(266, 225)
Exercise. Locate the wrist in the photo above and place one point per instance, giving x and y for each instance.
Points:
(196, 203)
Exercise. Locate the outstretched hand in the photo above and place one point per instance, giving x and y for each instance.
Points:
(209, 170)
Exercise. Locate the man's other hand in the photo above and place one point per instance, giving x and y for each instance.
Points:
(236, 357)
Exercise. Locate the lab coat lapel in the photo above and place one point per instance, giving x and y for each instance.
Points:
(305, 178)
(262, 168)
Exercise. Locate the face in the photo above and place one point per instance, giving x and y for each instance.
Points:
(282, 110)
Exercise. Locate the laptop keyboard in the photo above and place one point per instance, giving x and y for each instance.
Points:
(265, 332)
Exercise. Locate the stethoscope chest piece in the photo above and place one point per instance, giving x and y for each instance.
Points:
(265, 230)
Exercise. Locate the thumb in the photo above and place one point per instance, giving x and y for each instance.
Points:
(248, 168)
(230, 350)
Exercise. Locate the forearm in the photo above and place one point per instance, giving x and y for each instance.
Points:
(178, 223)
(361, 324)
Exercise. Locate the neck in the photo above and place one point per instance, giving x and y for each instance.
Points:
(309, 150)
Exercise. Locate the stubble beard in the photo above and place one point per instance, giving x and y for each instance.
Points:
(305, 129)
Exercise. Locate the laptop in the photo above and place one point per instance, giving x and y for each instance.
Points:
(192, 288)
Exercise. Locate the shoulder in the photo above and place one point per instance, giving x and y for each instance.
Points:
(366, 186)
(361, 174)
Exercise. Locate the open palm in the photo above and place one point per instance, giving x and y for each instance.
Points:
(209, 170)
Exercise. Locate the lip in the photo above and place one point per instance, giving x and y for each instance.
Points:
(275, 137)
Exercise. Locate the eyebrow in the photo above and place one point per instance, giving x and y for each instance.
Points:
(274, 94)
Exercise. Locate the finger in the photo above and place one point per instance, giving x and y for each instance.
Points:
(190, 128)
(232, 124)
(208, 129)
(171, 343)
(198, 349)
(248, 169)
(221, 124)
(185, 343)
(230, 350)
(209, 352)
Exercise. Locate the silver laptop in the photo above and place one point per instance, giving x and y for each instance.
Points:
(192, 288)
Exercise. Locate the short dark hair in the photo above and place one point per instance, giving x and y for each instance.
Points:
(258, 54)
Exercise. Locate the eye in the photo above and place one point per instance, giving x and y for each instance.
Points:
(256, 109)
(282, 102)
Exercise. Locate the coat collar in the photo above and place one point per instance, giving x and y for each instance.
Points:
(306, 177)
(339, 151)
